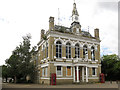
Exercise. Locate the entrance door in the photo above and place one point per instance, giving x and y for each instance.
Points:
(75, 75)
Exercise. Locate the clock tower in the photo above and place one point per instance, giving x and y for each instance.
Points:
(75, 15)
(75, 26)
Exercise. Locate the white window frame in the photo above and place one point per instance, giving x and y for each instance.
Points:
(77, 51)
(68, 48)
(95, 71)
(77, 30)
(46, 69)
(86, 51)
(61, 71)
(92, 55)
(66, 71)
(43, 72)
(59, 49)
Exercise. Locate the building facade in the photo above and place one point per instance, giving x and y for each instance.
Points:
(70, 53)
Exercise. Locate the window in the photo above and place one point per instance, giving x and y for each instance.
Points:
(77, 30)
(85, 52)
(59, 70)
(43, 72)
(92, 53)
(77, 51)
(46, 71)
(58, 49)
(93, 71)
(68, 50)
(68, 71)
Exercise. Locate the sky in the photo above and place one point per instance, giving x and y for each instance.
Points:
(21, 17)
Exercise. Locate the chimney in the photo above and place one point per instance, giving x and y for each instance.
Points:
(96, 33)
(42, 33)
(51, 23)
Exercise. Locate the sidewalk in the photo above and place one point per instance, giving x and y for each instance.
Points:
(95, 85)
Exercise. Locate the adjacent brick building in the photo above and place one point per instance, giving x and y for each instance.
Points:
(70, 53)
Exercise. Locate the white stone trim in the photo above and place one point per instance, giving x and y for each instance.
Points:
(59, 59)
(59, 39)
(61, 71)
(65, 78)
(77, 73)
(95, 72)
(62, 64)
(92, 65)
(94, 77)
(93, 61)
(69, 42)
(44, 78)
(68, 59)
(71, 64)
(55, 57)
(86, 74)
(63, 57)
(95, 47)
(89, 59)
(83, 74)
(56, 34)
(96, 60)
(78, 43)
(44, 65)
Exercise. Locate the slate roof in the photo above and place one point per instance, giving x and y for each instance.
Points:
(68, 30)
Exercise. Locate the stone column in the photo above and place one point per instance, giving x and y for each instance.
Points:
(86, 74)
(72, 51)
(77, 74)
(83, 74)
(81, 51)
(74, 74)
(89, 53)
(63, 51)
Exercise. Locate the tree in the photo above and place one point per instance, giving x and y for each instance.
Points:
(5, 73)
(111, 67)
(19, 63)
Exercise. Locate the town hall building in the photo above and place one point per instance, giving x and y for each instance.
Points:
(68, 54)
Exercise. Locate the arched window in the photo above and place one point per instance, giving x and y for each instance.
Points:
(77, 51)
(85, 52)
(68, 50)
(58, 49)
(92, 53)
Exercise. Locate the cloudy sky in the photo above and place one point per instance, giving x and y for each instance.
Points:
(20, 17)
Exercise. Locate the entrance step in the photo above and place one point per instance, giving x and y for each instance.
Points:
(80, 83)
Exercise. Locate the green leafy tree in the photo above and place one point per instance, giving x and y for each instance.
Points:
(5, 73)
(111, 67)
(19, 63)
